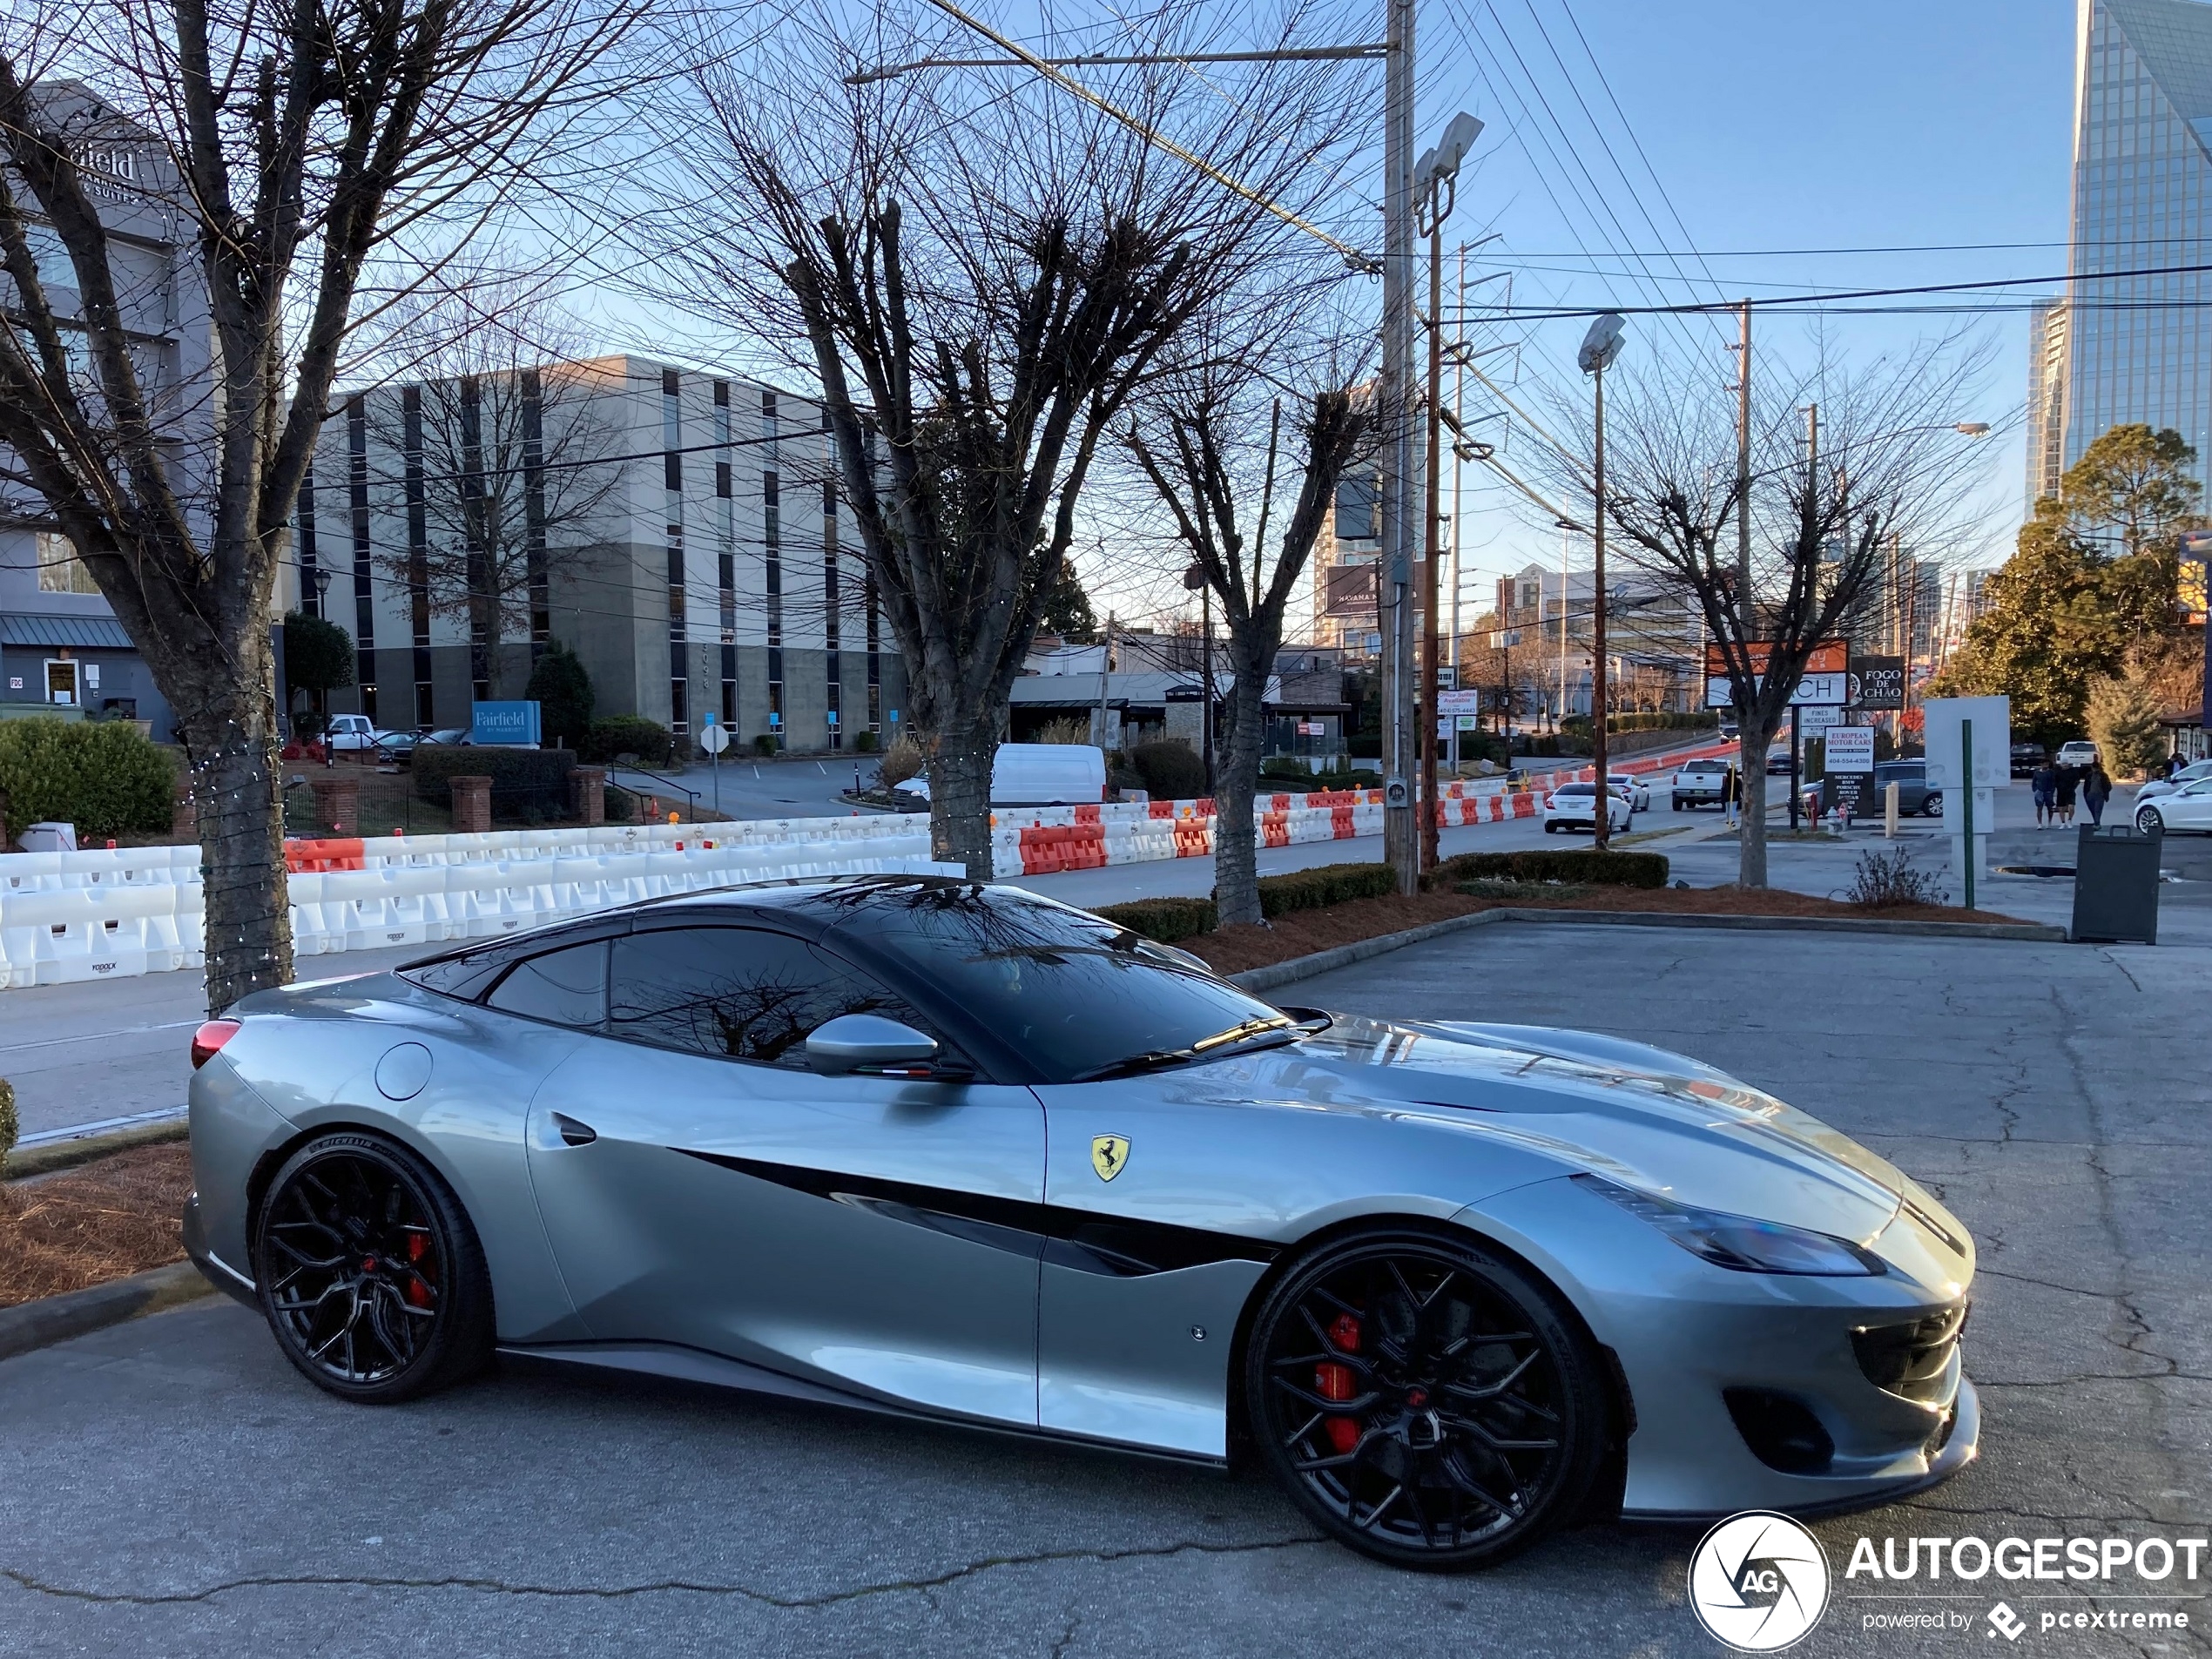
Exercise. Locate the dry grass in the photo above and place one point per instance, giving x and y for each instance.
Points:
(84, 1226)
(1232, 950)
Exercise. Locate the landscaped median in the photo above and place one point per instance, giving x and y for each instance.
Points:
(1313, 911)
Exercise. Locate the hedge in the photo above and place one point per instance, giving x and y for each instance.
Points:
(1581, 866)
(516, 774)
(627, 734)
(7, 1120)
(1171, 769)
(102, 776)
(1166, 921)
(1319, 889)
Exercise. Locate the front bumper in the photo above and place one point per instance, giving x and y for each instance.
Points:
(1712, 1360)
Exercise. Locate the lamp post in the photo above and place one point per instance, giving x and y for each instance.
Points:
(1435, 187)
(1600, 347)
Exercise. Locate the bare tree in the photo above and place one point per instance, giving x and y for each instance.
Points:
(1198, 443)
(502, 427)
(1889, 461)
(984, 269)
(292, 149)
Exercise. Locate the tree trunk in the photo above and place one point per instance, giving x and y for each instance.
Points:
(1235, 852)
(959, 800)
(1752, 743)
(237, 795)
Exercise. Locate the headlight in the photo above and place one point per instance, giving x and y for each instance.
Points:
(1739, 1242)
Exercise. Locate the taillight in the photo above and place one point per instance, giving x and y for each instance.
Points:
(211, 1035)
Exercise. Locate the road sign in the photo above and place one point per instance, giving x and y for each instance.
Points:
(1820, 717)
(715, 738)
(1459, 702)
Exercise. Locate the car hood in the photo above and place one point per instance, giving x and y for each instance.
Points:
(1633, 1114)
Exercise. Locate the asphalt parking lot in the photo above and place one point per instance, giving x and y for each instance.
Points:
(173, 1486)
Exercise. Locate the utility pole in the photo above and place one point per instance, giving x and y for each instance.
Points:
(1459, 471)
(1430, 608)
(1743, 606)
(1601, 803)
(1399, 846)
(1105, 669)
(1812, 487)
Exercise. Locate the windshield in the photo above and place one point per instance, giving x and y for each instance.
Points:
(1075, 995)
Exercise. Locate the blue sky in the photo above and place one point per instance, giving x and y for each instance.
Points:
(1771, 126)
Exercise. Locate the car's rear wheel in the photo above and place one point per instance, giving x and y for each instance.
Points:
(2149, 822)
(369, 1272)
(1423, 1401)
(1932, 807)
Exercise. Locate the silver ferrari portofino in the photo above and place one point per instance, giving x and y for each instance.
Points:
(954, 1150)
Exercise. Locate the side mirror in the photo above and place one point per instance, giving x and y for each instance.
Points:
(852, 1041)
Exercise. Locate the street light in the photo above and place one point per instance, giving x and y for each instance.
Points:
(1435, 190)
(1600, 347)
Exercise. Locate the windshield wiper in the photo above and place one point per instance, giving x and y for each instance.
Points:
(1278, 1031)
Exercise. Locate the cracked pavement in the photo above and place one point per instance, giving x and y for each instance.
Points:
(171, 1486)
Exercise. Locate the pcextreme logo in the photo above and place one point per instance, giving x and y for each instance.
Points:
(1758, 1581)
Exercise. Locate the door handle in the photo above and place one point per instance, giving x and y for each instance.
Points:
(573, 1133)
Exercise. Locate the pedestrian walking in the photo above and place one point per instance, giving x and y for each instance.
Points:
(2043, 784)
(2173, 764)
(2069, 781)
(2096, 790)
(1731, 792)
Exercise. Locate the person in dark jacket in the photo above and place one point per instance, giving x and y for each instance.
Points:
(2069, 781)
(2043, 784)
(2096, 790)
(1731, 792)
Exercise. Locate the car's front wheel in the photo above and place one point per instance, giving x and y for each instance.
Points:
(1932, 807)
(1425, 1401)
(369, 1272)
(2149, 821)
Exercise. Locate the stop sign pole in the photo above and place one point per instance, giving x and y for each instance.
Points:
(714, 739)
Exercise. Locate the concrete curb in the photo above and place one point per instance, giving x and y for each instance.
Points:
(49, 1155)
(57, 1319)
(1324, 962)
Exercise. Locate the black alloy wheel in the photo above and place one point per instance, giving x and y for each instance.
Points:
(1426, 1403)
(371, 1277)
(2149, 821)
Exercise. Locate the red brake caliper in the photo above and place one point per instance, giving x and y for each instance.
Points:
(417, 1293)
(1334, 1381)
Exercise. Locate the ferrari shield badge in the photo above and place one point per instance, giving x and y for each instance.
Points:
(1107, 1154)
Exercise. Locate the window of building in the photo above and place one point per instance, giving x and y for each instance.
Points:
(59, 568)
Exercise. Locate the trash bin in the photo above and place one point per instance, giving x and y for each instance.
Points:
(2115, 885)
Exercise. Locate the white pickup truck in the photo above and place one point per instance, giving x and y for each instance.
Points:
(1698, 783)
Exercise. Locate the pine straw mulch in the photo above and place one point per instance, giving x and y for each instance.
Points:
(1232, 950)
(100, 1221)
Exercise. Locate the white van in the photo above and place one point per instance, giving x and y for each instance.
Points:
(1040, 774)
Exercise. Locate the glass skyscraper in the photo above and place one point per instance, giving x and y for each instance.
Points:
(2128, 349)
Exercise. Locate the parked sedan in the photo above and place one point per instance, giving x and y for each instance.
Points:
(958, 1153)
(2180, 780)
(1638, 788)
(1574, 806)
(1916, 796)
(357, 734)
(2188, 808)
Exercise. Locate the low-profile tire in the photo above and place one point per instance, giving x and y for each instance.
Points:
(1932, 807)
(1550, 828)
(2149, 822)
(369, 1273)
(1424, 1400)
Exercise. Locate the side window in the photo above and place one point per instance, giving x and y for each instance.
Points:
(736, 993)
(562, 987)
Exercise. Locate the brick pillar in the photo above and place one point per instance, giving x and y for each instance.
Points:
(471, 804)
(588, 793)
(338, 796)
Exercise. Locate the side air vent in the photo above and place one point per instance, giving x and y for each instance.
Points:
(573, 1133)
(1782, 1432)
